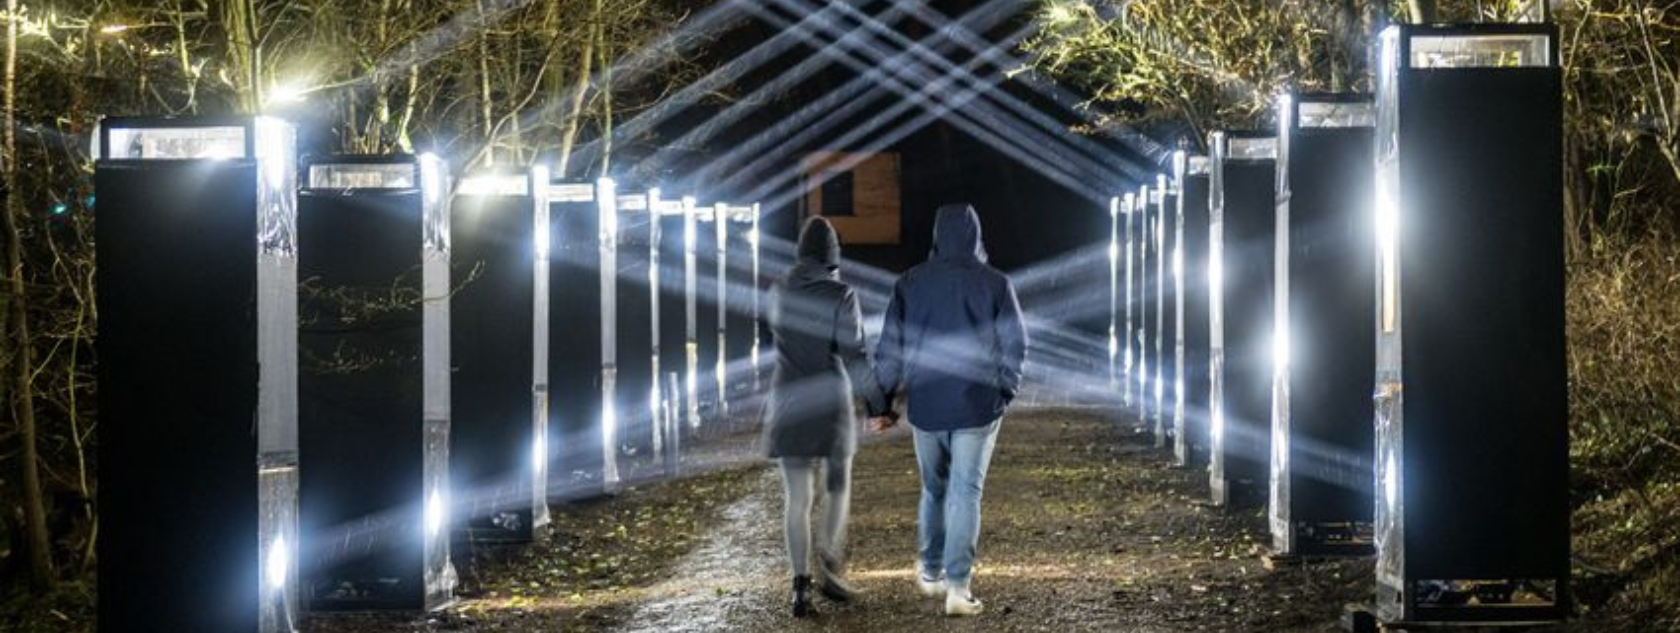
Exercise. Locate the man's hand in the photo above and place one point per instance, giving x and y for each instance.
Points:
(880, 423)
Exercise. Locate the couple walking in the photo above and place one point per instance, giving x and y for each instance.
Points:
(952, 341)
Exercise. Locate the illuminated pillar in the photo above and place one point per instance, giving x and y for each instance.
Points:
(1145, 301)
(1113, 291)
(720, 359)
(197, 373)
(498, 324)
(1190, 278)
(1240, 309)
(673, 312)
(638, 288)
(691, 296)
(1472, 467)
(656, 207)
(374, 349)
(581, 319)
(606, 203)
(753, 239)
(1163, 204)
(741, 289)
(1322, 354)
(1128, 208)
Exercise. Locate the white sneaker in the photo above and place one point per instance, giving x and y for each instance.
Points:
(930, 587)
(962, 603)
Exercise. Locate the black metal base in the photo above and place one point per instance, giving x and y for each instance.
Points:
(1323, 552)
(1363, 618)
(1360, 618)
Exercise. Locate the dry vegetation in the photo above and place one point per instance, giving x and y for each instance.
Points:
(482, 81)
(1624, 331)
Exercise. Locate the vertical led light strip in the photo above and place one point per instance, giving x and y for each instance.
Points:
(1389, 529)
(692, 312)
(1216, 320)
(1181, 442)
(277, 459)
(752, 241)
(435, 199)
(539, 185)
(720, 369)
(1159, 202)
(656, 412)
(606, 203)
(1113, 291)
(1283, 532)
(1128, 208)
(1142, 334)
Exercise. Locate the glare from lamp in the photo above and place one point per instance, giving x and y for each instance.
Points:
(434, 515)
(278, 565)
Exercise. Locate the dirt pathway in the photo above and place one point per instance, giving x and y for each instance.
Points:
(1086, 528)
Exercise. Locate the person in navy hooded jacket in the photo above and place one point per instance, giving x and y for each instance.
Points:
(953, 338)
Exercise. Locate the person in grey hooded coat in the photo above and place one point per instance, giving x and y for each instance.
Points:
(821, 365)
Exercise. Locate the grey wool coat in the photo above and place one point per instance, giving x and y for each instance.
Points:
(821, 357)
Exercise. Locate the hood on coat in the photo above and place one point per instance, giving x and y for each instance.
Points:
(819, 243)
(956, 234)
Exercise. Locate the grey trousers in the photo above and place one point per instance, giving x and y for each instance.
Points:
(799, 488)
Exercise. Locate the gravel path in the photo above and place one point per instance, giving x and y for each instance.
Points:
(1086, 528)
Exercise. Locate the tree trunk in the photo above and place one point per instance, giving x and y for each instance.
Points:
(403, 141)
(486, 106)
(381, 91)
(17, 308)
(240, 23)
(580, 89)
(1421, 11)
(606, 90)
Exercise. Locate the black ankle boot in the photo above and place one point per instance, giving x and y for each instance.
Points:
(831, 576)
(802, 597)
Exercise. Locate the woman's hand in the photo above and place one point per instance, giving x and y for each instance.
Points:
(880, 423)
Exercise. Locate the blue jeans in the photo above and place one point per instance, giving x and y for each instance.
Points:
(953, 465)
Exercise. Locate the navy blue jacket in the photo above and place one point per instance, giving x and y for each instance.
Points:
(953, 335)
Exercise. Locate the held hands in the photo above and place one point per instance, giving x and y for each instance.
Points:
(880, 424)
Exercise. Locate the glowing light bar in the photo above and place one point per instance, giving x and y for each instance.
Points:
(1280, 347)
(571, 192)
(435, 515)
(1391, 483)
(278, 564)
(1252, 148)
(495, 185)
(1388, 249)
(1480, 51)
(175, 143)
(1334, 114)
(432, 185)
(363, 176)
(539, 453)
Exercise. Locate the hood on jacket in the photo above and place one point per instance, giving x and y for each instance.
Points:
(956, 233)
(819, 243)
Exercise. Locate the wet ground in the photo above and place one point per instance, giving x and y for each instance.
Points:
(1086, 528)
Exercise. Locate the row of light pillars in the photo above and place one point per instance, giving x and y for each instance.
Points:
(1288, 263)
(404, 363)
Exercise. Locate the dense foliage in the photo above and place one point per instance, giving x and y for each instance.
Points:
(1207, 64)
(481, 81)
